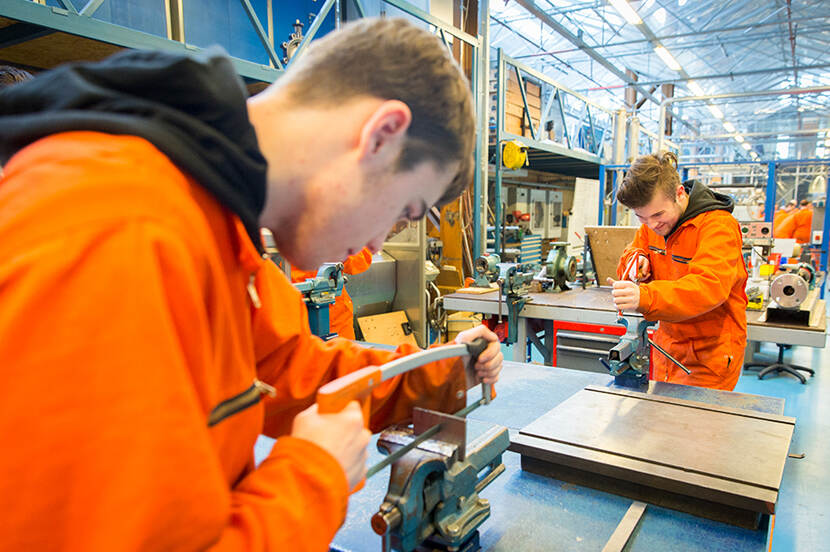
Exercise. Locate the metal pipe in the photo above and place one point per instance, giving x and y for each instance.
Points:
(668, 356)
(769, 203)
(679, 35)
(777, 92)
(484, 121)
(499, 129)
(717, 76)
(754, 134)
(825, 235)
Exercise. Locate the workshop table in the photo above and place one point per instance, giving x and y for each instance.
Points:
(594, 305)
(535, 513)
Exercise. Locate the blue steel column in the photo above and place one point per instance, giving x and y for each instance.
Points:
(825, 234)
(685, 174)
(481, 79)
(614, 198)
(499, 122)
(769, 204)
(601, 192)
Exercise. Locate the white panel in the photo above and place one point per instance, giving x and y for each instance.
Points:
(585, 210)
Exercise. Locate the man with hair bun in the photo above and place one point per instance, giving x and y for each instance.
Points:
(685, 269)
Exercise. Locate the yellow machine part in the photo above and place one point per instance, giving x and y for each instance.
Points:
(514, 154)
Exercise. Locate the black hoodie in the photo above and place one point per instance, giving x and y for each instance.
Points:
(192, 108)
(702, 200)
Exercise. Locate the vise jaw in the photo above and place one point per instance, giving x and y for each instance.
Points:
(433, 495)
(629, 360)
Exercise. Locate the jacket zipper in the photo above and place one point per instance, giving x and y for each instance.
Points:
(240, 402)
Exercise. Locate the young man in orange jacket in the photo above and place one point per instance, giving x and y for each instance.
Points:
(139, 320)
(690, 273)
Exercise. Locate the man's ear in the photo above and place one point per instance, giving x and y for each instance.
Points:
(679, 192)
(383, 132)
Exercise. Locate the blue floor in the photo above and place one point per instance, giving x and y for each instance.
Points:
(802, 521)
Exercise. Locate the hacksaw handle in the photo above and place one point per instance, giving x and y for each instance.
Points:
(476, 347)
(356, 386)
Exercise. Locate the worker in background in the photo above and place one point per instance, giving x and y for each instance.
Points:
(341, 312)
(685, 269)
(783, 222)
(141, 324)
(803, 222)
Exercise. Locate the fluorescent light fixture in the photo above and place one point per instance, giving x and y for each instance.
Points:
(626, 11)
(739, 138)
(746, 146)
(695, 88)
(667, 58)
(715, 111)
(681, 3)
(728, 126)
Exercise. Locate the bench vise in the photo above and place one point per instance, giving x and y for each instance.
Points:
(433, 501)
(320, 292)
(628, 361)
(514, 285)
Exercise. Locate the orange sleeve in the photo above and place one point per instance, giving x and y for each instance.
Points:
(639, 246)
(104, 409)
(359, 262)
(713, 271)
(298, 275)
(296, 363)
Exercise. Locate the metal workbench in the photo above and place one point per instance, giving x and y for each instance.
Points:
(595, 306)
(536, 513)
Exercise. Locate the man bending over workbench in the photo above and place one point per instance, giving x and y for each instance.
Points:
(140, 324)
(685, 269)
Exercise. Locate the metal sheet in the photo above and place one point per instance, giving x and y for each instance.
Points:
(373, 291)
(408, 248)
(725, 455)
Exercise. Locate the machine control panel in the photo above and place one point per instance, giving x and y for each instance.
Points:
(756, 230)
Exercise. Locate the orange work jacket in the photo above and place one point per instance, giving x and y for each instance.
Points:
(341, 312)
(133, 303)
(785, 227)
(696, 291)
(803, 222)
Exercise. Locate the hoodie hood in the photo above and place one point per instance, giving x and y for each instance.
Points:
(702, 200)
(192, 108)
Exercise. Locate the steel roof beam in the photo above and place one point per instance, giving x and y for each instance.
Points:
(531, 6)
(785, 69)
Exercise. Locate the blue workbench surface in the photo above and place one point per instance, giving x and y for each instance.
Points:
(531, 512)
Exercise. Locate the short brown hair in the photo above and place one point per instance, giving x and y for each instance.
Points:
(12, 75)
(648, 173)
(392, 59)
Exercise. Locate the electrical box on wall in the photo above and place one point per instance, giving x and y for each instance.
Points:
(516, 201)
(553, 229)
(538, 212)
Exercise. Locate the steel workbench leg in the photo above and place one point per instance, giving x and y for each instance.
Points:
(520, 347)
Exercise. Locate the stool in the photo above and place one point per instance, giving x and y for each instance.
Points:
(780, 366)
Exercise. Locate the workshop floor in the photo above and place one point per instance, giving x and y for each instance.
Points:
(802, 521)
